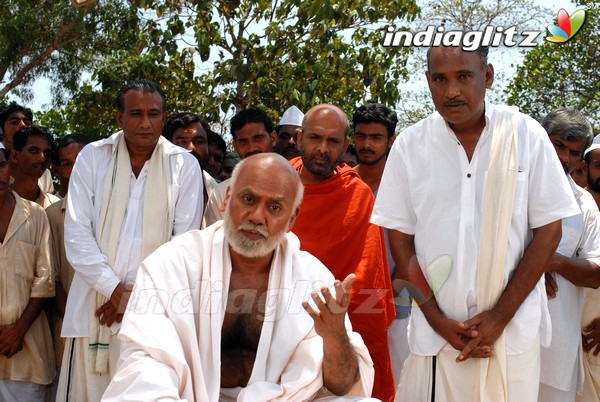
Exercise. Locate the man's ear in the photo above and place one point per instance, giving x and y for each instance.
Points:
(293, 219)
(273, 138)
(119, 118)
(14, 157)
(489, 75)
(223, 206)
(347, 144)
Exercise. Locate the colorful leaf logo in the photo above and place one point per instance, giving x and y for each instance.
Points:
(567, 27)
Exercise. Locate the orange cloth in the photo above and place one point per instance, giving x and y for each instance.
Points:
(333, 225)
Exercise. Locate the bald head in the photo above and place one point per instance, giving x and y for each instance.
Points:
(325, 110)
(261, 204)
(323, 142)
(260, 166)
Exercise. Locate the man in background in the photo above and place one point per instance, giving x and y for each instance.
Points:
(252, 132)
(287, 133)
(333, 225)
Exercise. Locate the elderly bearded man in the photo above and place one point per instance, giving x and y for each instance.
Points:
(243, 335)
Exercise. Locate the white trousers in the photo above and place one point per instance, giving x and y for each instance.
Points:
(459, 382)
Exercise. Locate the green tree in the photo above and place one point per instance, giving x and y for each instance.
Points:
(561, 74)
(216, 57)
(465, 15)
(50, 38)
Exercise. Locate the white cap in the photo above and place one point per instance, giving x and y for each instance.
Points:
(595, 145)
(292, 117)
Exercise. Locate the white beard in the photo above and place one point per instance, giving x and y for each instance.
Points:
(247, 247)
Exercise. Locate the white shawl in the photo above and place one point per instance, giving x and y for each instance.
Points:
(498, 202)
(157, 226)
(172, 330)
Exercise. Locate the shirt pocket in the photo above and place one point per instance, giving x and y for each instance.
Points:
(24, 257)
(520, 205)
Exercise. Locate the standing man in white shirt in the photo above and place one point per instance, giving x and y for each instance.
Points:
(575, 264)
(128, 194)
(473, 196)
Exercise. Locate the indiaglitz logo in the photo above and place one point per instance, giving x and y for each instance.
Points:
(567, 27)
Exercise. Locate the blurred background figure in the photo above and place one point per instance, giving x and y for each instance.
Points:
(287, 133)
(231, 159)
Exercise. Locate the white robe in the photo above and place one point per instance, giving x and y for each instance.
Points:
(171, 332)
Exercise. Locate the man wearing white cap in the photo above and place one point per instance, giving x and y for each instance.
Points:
(287, 133)
(590, 316)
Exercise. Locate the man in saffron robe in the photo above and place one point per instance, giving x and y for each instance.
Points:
(334, 226)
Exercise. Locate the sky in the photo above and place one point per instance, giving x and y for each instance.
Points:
(505, 62)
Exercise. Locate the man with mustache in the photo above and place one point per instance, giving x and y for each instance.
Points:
(473, 198)
(590, 317)
(189, 131)
(128, 194)
(13, 117)
(287, 133)
(31, 157)
(217, 314)
(574, 265)
(26, 355)
(252, 132)
(333, 225)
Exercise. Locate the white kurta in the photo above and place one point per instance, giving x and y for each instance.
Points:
(171, 333)
(213, 212)
(84, 203)
(563, 359)
(431, 190)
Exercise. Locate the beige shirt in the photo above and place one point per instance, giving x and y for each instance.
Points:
(63, 271)
(25, 272)
(46, 199)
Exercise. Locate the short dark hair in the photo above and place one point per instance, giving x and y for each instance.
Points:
(65, 141)
(482, 51)
(181, 120)
(251, 115)
(146, 86)
(22, 136)
(376, 113)
(11, 108)
(215, 139)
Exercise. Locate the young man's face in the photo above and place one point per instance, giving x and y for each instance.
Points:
(193, 138)
(215, 160)
(253, 138)
(457, 81)
(372, 142)
(34, 158)
(14, 122)
(67, 156)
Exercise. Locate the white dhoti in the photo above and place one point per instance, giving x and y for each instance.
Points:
(79, 382)
(454, 382)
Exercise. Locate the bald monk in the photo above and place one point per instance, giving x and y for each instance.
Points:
(334, 226)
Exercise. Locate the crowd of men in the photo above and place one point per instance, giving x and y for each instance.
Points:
(457, 261)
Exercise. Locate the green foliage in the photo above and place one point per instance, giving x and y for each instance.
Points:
(49, 38)
(216, 57)
(561, 74)
(466, 15)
